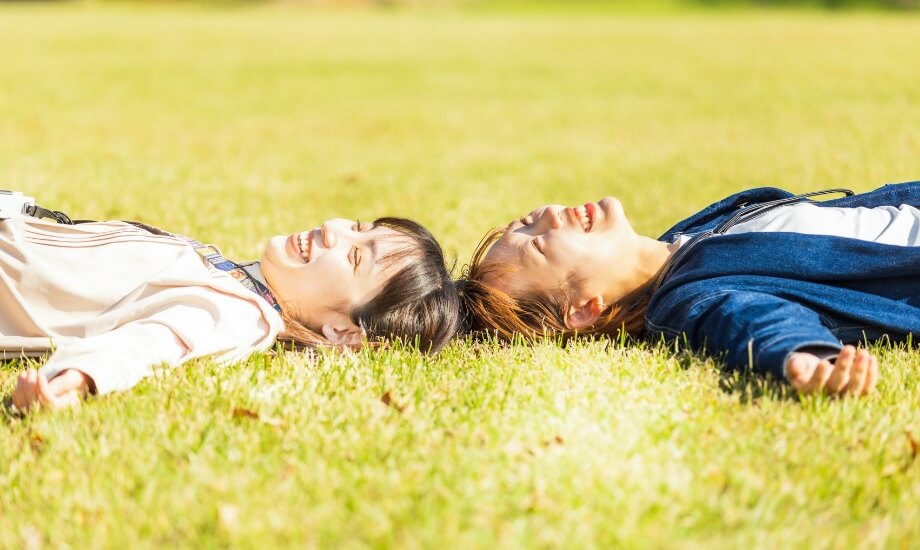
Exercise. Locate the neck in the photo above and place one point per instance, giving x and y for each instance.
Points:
(651, 257)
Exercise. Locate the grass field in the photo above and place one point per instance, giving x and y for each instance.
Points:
(236, 125)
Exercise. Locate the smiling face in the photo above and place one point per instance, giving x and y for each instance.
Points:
(321, 275)
(589, 251)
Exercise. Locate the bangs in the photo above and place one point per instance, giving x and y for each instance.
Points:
(419, 304)
(411, 234)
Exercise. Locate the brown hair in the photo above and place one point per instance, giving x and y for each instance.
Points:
(538, 313)
(419, 304)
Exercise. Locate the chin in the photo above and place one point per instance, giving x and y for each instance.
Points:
(276, 251)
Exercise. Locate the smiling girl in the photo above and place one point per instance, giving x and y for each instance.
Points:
(771, 281)
(113, 300)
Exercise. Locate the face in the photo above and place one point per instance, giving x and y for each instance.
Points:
(322, 274)
(552, 245)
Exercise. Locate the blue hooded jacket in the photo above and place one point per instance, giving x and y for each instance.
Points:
(757, 297)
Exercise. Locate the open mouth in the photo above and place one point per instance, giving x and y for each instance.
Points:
(303, 245)
(586, 215)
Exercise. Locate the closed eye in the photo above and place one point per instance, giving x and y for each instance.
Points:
(360, 226)
(536, 245)
(355, 257)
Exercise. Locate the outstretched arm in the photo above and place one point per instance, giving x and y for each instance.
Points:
(64, 391)
(781, 337)
(111, 361)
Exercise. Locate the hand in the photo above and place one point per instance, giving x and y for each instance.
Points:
(66, 389)
(854, 373)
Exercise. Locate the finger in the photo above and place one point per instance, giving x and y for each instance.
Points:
(32, 387)
(25, 390)
(19, 394)
(45, 395)
(846, 356)
(800, 370)
(858, 372)
(872, 376)
(823, 371)
(840, 377)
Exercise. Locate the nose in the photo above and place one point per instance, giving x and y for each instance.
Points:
(327, 230)
(550, 216)
(338, 230)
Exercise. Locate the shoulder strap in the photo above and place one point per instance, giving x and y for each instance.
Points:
(753, 210)
(208, 252)
(37, 211)
(212, 255)
(745, 213)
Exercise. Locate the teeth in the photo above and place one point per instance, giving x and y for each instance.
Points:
(585, 220)
(304, 243)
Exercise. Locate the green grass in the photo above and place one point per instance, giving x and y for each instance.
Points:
(234, 125)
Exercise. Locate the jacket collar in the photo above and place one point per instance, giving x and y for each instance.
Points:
(892, 194)
(710, 216)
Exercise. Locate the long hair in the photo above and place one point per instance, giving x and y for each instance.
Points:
(419, 304)
(538, 313)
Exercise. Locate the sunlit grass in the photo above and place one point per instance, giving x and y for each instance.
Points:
(231, 126)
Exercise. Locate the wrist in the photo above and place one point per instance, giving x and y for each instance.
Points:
(74, 380)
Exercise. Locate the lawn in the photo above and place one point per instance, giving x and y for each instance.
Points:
(238, 124)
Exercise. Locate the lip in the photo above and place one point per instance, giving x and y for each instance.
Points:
(294, 239)
(590, 210)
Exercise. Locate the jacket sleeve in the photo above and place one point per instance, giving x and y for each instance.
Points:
(757, 330)
(118, 359)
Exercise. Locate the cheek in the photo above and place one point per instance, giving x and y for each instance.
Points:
(275, 247)
(579, 256)
(328, 280)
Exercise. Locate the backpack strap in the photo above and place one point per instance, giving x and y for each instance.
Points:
(208, 252)
(37, 211)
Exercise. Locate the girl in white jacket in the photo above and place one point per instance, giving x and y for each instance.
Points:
(110, 301)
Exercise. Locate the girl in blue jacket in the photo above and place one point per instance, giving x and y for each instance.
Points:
(779, 283)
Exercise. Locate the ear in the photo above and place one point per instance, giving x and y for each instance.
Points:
(584, 314)
(351, 335)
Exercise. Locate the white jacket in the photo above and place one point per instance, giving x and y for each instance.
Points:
(114, 301)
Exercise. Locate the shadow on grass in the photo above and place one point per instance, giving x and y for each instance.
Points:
(750, 387)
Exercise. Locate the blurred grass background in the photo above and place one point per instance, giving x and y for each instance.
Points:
(237, 122)
(449, 118)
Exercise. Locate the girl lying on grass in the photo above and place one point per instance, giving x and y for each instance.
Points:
(771, 280)
(113, 300)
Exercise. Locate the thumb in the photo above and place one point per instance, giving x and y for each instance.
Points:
(800, 368)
